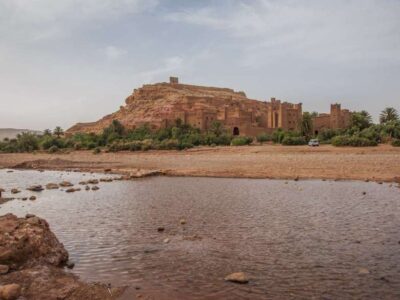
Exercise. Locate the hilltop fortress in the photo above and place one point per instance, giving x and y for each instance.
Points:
(160, 105)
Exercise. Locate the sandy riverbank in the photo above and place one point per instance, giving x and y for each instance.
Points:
(268, 161)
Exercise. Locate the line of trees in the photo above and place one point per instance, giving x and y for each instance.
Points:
(361, 132)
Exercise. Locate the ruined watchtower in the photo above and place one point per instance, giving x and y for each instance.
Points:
(173, 80)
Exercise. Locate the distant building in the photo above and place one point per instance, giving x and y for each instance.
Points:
(337, 119)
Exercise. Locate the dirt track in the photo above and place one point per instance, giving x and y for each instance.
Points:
(269, 161)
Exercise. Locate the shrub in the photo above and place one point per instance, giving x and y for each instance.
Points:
(352, 141)
(169, 144)
(53, 149)
(396, 143)
(294, 140)
(97, 150)
(241, 141)
(263, 137)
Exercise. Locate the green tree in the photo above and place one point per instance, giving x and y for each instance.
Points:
(217, 128)
(361, 120)
(58, 131)
(306, 125)
(388, 114)
(47, 132)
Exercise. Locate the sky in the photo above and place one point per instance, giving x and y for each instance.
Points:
(69, 61)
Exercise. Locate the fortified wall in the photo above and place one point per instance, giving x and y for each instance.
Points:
(337, 119)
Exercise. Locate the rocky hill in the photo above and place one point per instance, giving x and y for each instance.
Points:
(156, 103)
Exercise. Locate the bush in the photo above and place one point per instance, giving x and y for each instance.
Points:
(294, 140)
(352, 141)
(97, 150)
(263, 137)
(396, 143)
(53, 149)
(241, 141)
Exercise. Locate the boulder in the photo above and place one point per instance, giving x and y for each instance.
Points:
(10, 291)
(93, 181)
(29, 241)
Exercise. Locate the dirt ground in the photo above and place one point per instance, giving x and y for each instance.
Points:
(380, 163)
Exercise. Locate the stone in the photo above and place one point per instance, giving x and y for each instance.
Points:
(70, 264)
(106, 179)
(32, 198)
(87, 188)
(93, 181)
(35, 188)
(10, 291)
(166, 241)
(27, 216)
(4, 269)
(363, 271)
(65, 184)
(160, 229)
(15, 191)
(83, 183)
(95, 188)
(238, 277)
(52, 186)
(364, 193)
(72, 190)
(182, 221)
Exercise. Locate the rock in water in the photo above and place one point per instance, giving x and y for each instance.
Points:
(15, 191)
(10, 291)
(32, 198)
(35, 188)
(238, 277)
(95, 188)
(52, 186)
(66, 184)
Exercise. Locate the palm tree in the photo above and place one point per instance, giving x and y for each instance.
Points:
(388, 114)
(47, 132)
(306, 124)
(58, 131)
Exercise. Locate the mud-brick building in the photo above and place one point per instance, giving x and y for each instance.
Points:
(337, 119)
(160, 105)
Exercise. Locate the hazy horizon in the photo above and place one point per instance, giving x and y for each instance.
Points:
(63, 62)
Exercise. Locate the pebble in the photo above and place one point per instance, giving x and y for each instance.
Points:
(238, 277)
(65, 184)
(70, 265)
(35, 188)
(182, 221)
(363, 271)
(32, 198)
(52, 186)
(166, 241)
(4, 269)
(160, 229)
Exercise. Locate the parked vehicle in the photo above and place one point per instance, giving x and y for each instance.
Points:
(313, 143)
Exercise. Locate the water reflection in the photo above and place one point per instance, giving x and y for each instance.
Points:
(299, 240)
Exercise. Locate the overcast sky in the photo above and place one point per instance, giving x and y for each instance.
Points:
(68, 61)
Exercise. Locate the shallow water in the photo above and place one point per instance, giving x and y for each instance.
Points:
(296, 240)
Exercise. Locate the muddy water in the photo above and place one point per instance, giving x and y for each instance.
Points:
(296, 240)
